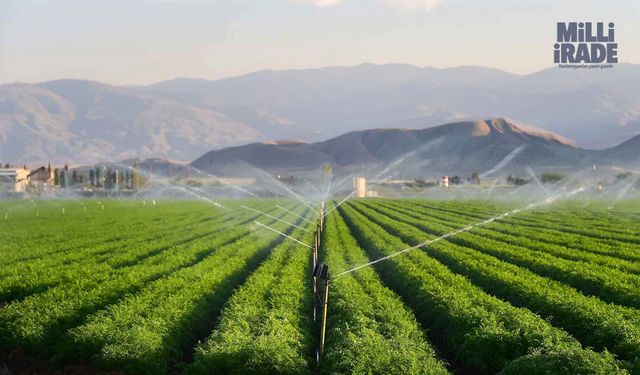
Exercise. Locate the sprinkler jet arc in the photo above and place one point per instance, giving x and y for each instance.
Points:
(548, 200)
(281, 233)
(275, 218)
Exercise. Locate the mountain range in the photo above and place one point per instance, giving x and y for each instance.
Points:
(491, 147)
(76, 121)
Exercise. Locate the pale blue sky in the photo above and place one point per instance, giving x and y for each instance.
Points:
(143, 41)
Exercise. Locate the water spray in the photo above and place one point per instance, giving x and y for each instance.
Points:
(339, 204)
(225, 183)
(281, 233)
(293, 213)
(285, 188)
(274, 218)
(548, 200)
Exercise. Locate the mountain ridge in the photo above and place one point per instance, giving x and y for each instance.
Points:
(495, 145)
(80, 121)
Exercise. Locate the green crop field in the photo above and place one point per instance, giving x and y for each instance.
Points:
(146, 287)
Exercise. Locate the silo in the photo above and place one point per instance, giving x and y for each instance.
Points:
(361, 187)
(444, 182)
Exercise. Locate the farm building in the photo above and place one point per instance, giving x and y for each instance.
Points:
(14, 180)
(444, 181)
(360, 184)
(23, 180)
(41, 179)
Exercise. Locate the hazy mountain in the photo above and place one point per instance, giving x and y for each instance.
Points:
(326, 102)
(626, 154)
(490, 147)
(82, 121)
(596, 108)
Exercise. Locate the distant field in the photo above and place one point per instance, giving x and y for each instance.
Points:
(187, 287)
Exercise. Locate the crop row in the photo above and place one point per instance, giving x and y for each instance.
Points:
(265, 327)
(563, 217)
(39, 320)
(609, 246)
(151, 330)
(369, 329)
(595, 323)
(25, 278)
(55, 232)
(590, 252)
(79, 232)
(609, 284)
(480, 331)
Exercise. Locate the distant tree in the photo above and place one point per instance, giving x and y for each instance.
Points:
(92, 177)
(419, 182)
(125, 179)
(475, 178)
(56, 177)
(74, 177)
(195, 183)
(623, 176)
(98, 175)
(135, 179)
(110, 178)
(551, 177)
(517, 180)
(455, 180)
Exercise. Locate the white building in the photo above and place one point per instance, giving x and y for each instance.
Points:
(360, 184)
(444, 181)
(14, 180)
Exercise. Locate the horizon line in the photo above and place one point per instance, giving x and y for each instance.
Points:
(231, 76)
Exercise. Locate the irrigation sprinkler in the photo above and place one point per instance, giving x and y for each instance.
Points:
(314, 280)
(315, 249)
(6, 214)
(321, 271)
(37, 212)
(341, 202)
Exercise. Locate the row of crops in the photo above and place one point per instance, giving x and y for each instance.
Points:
(186, 287)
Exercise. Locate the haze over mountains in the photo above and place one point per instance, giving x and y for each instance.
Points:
(490, 147)
(81, 122)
